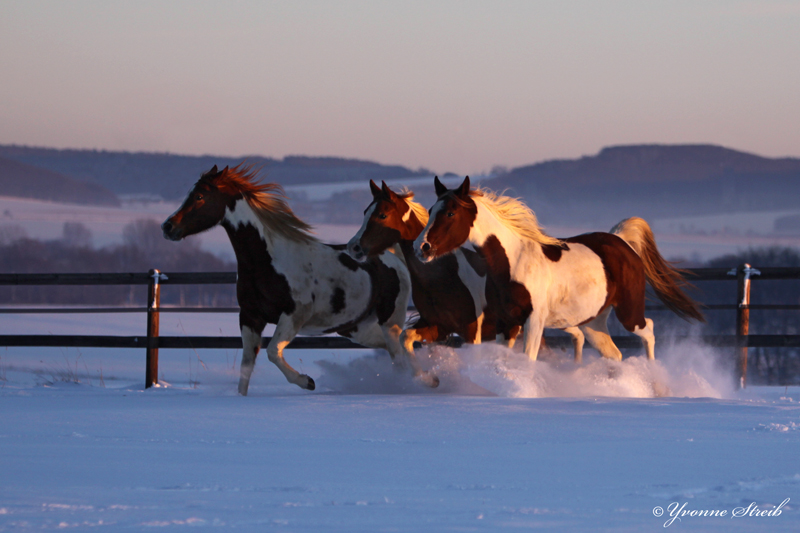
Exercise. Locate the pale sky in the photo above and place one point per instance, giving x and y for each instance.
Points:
(448, 85)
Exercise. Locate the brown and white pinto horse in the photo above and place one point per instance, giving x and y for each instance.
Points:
(449, 294)
(288, 278)
(544, 282)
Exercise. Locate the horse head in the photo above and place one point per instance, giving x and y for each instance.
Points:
(203, 208)
(450, 221)
(390, 217)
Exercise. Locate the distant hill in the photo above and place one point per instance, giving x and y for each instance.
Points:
(27, 181)
(654, 181)
(169, 176)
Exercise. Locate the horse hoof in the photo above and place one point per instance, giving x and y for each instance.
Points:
(428, 379)
(310, 385)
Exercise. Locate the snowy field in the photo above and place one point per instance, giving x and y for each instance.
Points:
(502, 445)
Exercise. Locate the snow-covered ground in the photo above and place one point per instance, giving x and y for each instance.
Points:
(502, 444)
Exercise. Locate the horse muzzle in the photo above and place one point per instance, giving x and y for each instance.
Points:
(425, 252)
(171, 232)
(356, 251)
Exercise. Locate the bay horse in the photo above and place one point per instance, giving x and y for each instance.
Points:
(449, 294)
(569, 284)
(286, 277)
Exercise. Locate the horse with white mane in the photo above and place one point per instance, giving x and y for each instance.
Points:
(285, 276)
(544, 282)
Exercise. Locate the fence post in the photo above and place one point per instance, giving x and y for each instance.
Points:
(153, 303)
(743, 274)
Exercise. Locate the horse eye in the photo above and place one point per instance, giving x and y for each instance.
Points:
(198, 197)
(382, 216)
(450, 214)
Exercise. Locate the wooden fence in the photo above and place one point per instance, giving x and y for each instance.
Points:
(154, 279)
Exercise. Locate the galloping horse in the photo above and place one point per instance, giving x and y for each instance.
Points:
(449, 294)
(288, 278)
(542, 281)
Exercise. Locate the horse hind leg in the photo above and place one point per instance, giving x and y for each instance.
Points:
(387, 336)
(577, 342)
(596, 332)
(648, 338)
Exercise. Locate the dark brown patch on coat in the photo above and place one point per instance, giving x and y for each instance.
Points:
(263, 294)
(441, 297)
(349, 262)
(385, 288)
(553, 252)
(510, 298)
(624, 276)
(337, 300)
(477, 263)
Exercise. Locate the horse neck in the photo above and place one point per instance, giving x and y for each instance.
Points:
(411, 227)
(237, 224)
(408, 234)
(487, 224)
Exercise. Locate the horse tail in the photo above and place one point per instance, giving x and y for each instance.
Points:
(666, 280)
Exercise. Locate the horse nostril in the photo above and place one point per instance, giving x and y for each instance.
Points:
(357, 248)
(166, 227)
(426, 247)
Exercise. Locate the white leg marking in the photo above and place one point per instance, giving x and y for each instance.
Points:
(478, 334)
(577, 342)
(532, 335)
(407, 339)
(251, 344)
(648, 338)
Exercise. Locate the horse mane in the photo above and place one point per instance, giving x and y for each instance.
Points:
(515, 215)
(407, 195)
(268, 201)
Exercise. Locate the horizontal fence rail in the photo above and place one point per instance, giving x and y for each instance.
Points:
(154, 279)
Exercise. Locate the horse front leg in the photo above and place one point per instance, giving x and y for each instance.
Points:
(391, 335)
(251, 344)
(532, 335)
(421, 332)
(285, 331)
(475, 330)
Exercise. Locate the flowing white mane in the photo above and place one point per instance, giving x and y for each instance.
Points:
(515, 215)
(408, 196)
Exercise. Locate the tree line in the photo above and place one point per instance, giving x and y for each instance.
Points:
(143, 247)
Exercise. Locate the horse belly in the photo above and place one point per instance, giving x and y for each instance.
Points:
(579, 290)
(328, 293)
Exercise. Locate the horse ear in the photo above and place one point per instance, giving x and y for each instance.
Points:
(374, 188)
(440, 189)
(213, 170)
(224, 170)
(463, 190)
(387, 191)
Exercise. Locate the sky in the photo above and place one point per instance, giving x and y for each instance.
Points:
(448, 85)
